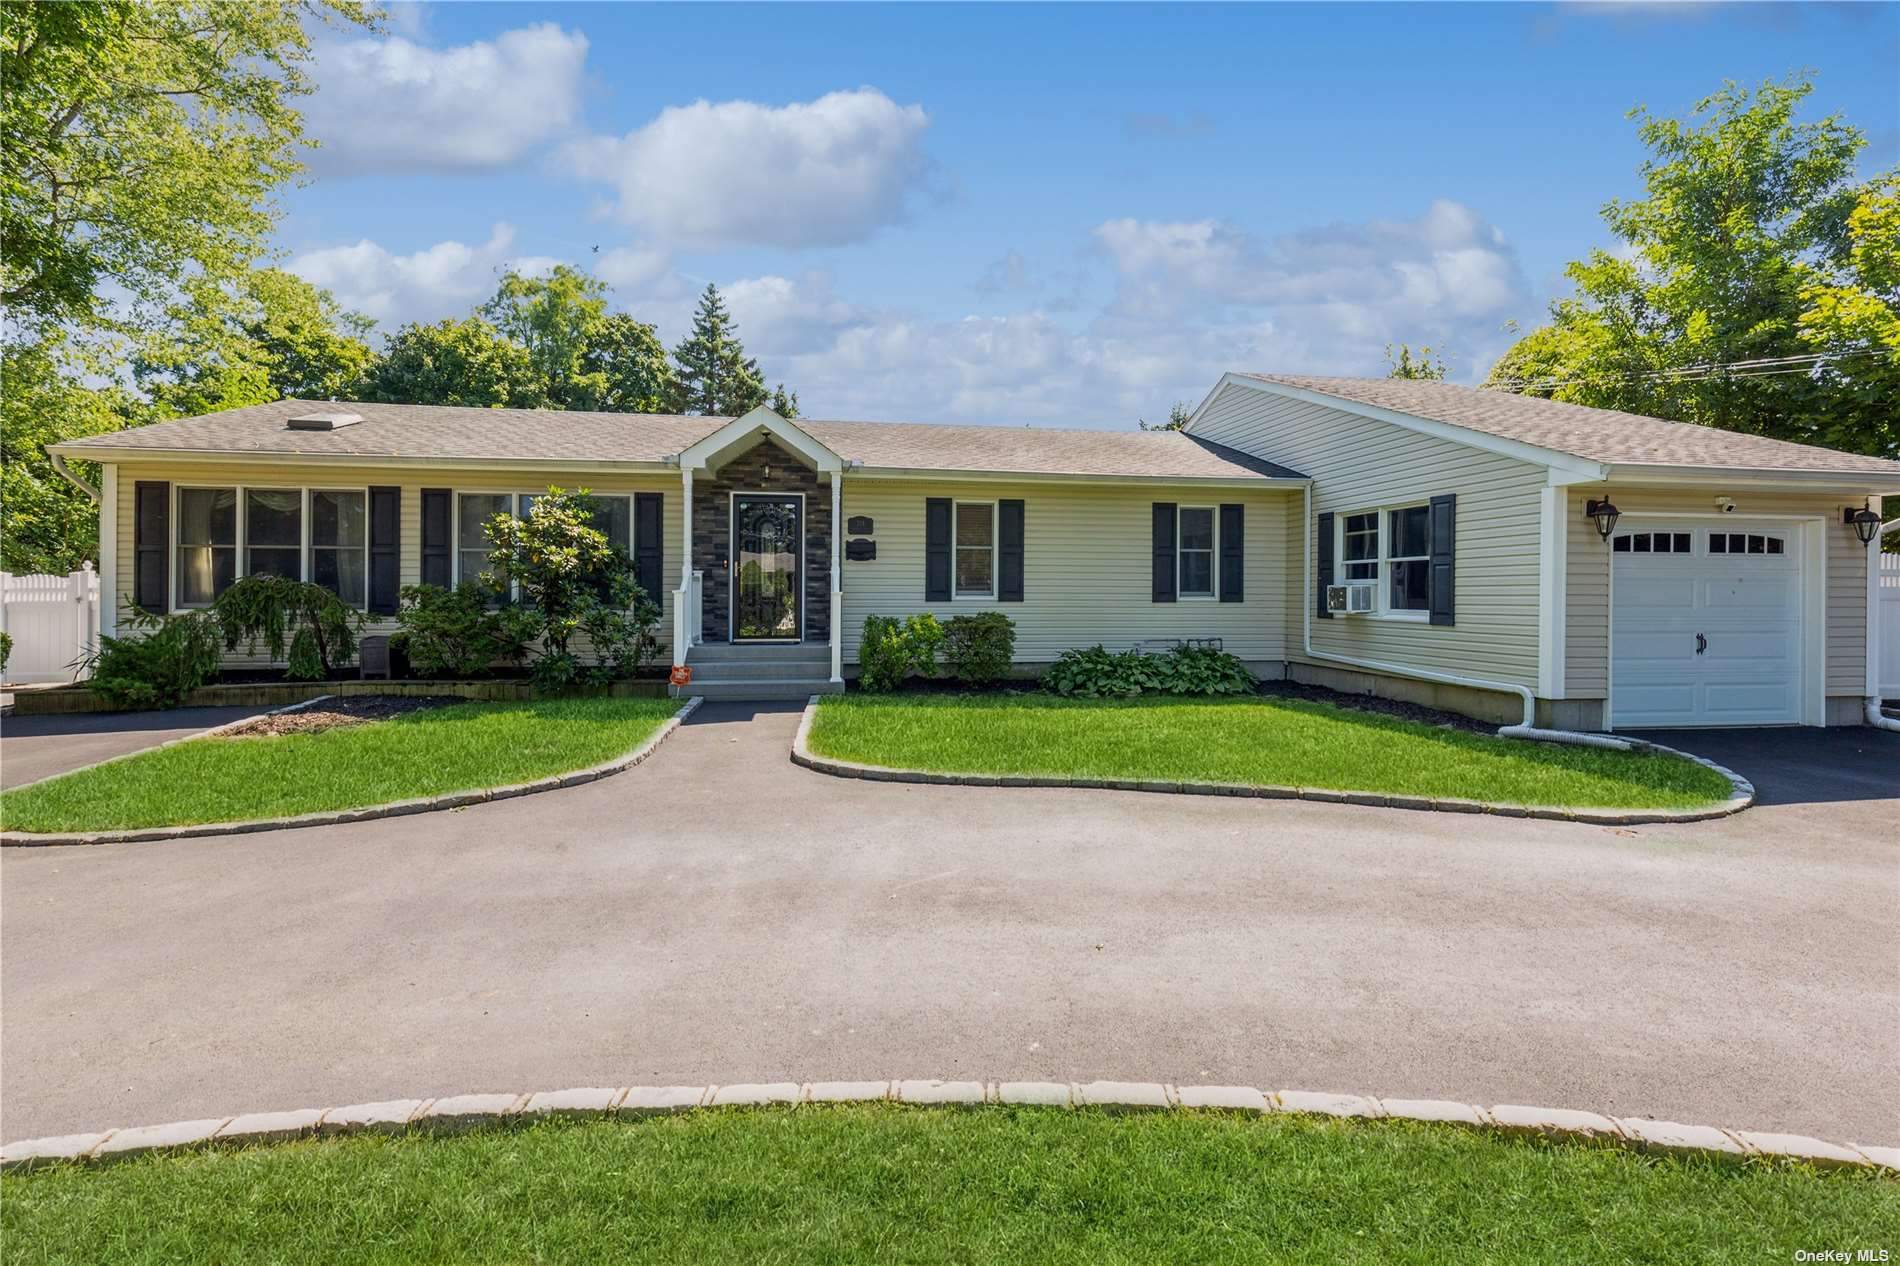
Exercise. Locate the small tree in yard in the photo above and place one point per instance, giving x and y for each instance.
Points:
(575, 581)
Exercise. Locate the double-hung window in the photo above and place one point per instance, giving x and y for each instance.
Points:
(976, 549)
(1361, 555)
(473, 510)
(612, 518)
(207, 544)
(1392, 548)
(1408, 559)
(273, 532)
(1194, 567)
(339, 543)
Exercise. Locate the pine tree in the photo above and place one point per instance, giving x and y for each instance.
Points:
(715, 375)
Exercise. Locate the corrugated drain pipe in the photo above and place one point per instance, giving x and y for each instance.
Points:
(1527, 729)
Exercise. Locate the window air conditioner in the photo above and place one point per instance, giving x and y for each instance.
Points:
(1352, 598)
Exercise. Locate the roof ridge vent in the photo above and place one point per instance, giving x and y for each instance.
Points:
(327, 421)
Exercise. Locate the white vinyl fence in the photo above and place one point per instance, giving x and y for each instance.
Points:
(1889, 618)
(53, 620)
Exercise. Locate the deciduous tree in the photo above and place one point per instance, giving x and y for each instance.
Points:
(1755, 289)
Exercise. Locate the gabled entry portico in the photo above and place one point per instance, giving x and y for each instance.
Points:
(761, 498)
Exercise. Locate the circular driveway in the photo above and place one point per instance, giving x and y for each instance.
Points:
(718, 914)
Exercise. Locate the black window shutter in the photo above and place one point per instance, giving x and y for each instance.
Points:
(1009, 551)
(1163, 551)
(438, 533)
(385, 549)
(649, 544)
(936, 549)
(1444, 539)
(1325, 564)
(1233, 553)
(151, 546)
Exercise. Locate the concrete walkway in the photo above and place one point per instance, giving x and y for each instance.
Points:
(32, 748)
(719, 914)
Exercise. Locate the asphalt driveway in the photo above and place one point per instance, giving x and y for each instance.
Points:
(1797, 765)
(32, 748)
(718, 914)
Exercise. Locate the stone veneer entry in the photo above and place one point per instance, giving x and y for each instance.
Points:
(712, 532)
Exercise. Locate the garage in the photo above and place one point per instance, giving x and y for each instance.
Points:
(1706, 623)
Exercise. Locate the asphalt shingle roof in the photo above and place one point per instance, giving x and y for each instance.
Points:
(1598, 435)
(542, 435)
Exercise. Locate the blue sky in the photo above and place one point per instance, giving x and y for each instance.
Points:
(1058, 215)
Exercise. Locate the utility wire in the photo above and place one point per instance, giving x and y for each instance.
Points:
(1760, 367)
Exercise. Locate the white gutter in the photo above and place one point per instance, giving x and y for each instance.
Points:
(72, 476)
(1527, 729)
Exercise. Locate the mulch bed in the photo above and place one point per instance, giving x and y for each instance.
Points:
(1373, 703)
(334, 713)
(1270, 689)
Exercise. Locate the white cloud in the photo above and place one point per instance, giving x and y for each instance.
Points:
(392, 104)
(818, 173)
(1192, 300)
(1339, 293)
(442, 280)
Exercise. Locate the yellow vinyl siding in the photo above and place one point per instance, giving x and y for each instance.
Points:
(1586, 635)
(1087, 566)
(279, 474)
(1358, 463)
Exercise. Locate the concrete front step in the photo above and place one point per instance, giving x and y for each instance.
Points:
(756, 691)
(761, 670)
(784, 653)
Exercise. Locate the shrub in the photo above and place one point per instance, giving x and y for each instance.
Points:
(454, 632)
(892, 649)
(1097, 673)
(6, 649)
(574, 580)
(320, 627)
(979, 649)
(173, 656)
(1197, 670)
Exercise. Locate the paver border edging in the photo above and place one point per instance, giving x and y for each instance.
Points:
(459, 1112)
(1742, 793)
(394, 809)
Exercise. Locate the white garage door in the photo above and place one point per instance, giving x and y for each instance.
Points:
(1705, 625)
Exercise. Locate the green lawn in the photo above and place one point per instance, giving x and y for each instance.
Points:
(1283, 742)
(432, 752)
(884, 1184)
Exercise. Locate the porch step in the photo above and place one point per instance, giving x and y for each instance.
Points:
(756, 691)
(760, 669)
(789, 653)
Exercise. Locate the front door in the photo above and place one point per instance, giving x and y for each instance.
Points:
(767, 557)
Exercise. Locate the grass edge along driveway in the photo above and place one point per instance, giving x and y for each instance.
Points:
(889, 1183)
(436, 751)
(1260, 740)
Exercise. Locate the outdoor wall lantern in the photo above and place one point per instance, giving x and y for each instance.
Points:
(1865, 522)
(1605, 514)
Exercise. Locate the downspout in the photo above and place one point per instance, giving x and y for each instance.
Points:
(1871, 704)
(1527, 729)
(72, 477)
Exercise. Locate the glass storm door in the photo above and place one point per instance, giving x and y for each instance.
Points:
(766, 535)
